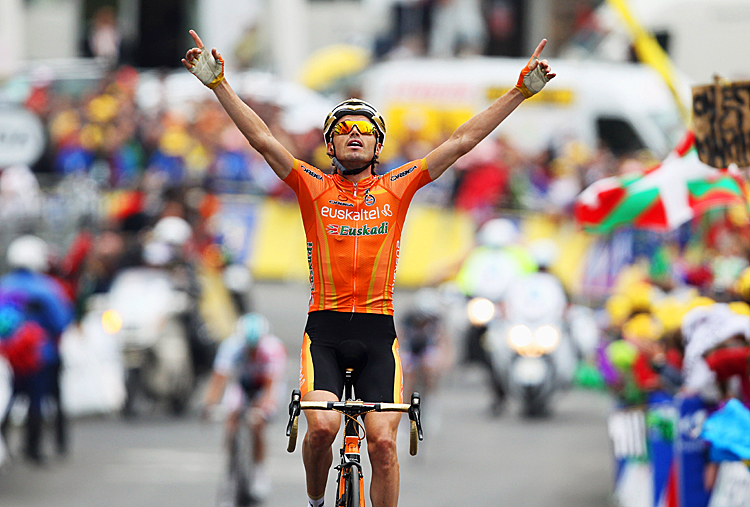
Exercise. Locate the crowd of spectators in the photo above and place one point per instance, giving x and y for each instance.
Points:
(107, 134)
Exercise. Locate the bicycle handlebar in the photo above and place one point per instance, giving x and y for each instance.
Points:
(355, 408)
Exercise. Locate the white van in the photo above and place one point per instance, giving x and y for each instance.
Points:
(625, 106)
(702, 37)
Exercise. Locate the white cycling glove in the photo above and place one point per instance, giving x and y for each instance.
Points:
(531, 82)
(209, 70)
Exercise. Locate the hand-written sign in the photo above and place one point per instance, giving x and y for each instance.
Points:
(721, 120)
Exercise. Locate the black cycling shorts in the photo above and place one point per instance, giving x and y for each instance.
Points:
(367, 342)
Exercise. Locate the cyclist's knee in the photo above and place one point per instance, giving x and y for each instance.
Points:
(382, 450)
(321, 433)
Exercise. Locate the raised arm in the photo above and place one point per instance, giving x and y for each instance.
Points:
(532, 79)
(209, 69)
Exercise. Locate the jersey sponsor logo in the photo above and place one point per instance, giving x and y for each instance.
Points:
(365, 230)
(369, 198)
(403, 173)
(310, 265)
(365, 214)
(312, 173)
(339, 203)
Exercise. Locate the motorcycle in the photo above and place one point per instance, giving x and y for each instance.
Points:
(146, 313)
(530, 351)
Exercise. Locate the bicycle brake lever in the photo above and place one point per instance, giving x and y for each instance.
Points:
(415, 414)
(294, 410)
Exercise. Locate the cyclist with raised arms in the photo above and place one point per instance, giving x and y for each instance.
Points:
(353, 221)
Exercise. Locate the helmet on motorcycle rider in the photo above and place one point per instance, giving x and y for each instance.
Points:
(251, 327)
(544, 252)
(173, 231)
(28, 252)
(497, 233)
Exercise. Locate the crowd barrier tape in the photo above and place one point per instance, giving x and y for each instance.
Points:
(660, 457)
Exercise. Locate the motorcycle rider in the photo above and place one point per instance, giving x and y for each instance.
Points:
(170, 248)
(534, 302)
(249, 367)
(539, 291)
(45, 303)
(488, 271)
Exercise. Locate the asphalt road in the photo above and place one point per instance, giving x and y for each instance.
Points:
(468, 457)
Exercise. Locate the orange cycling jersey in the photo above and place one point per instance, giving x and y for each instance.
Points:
(353, 234)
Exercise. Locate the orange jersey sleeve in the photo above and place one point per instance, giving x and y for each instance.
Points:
(353, 234)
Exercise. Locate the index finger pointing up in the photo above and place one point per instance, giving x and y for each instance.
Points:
(537, 51)
(198, 41)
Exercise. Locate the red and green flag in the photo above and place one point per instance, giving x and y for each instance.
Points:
(661, 198)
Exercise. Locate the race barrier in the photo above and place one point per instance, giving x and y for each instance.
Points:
(661, 457)
(267, 235)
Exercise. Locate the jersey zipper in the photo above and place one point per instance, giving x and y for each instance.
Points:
(356, 244)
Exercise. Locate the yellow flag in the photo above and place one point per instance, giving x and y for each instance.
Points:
(650, 52)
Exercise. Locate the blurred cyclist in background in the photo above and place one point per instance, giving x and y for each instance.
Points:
(43, 301)
(425, 347)
(353, 220)
(250, 367)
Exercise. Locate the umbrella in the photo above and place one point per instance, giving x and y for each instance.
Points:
(328, 65)
(661, 198)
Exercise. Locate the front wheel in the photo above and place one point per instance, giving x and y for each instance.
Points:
(352, 488)
(241, 466)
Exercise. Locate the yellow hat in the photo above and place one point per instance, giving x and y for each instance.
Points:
(103, 108)
(618, 307)
(700, 301)
(640, 294)
(670, 311)
(642, 327)
(740, 307)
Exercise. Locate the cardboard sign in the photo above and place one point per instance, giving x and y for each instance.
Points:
(721, 119)
(732, 488)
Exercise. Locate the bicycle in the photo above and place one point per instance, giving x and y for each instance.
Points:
(350, 480)
(238, 486)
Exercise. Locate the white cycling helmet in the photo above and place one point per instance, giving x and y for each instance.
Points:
(544, 252)
(174, 231)
(351, 107)
(28, 252)
(497, 233)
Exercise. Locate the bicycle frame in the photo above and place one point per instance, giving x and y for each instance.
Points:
(350, 488)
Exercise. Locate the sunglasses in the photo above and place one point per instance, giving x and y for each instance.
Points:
(364, 127)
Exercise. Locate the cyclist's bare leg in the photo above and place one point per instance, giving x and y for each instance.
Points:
(317, 453)
(259, 440)
(230, 427)
(382, 428)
